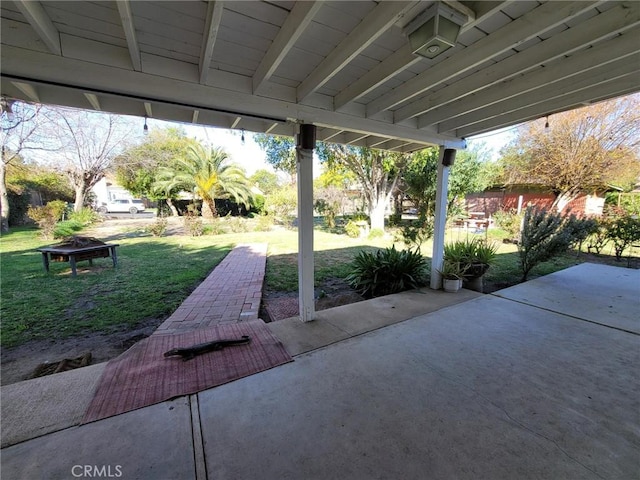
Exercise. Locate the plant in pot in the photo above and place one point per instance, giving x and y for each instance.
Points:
(475, 257)
(452, 275)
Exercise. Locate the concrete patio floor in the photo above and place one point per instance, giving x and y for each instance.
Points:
(538, 381)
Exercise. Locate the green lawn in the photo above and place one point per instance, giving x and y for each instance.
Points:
(154, 275)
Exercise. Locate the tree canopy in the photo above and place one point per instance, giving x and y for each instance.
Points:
(581, 150)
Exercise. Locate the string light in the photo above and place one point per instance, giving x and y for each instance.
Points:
(145, 129)
(242, 137)
(546, 125)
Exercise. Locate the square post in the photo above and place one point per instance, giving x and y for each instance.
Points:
(304, 152)
(445, 160)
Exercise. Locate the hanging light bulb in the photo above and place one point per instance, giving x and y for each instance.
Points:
(242, 137)
(145, 129)
(546, 125)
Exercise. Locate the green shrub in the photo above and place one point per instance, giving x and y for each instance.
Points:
(473, 256)
(85, 216)
(415, 233)
(67, 228)
(352, 229)
(257, 203)
(159, 227)
(629, 202)
(281, 204)
(193, 225)
(376, 233)
(623, 231)
(580, 229)
(47, 216)
(265, 223)
(329, 211)
(544, 236)
(509, 221)
(237, 225)
(599, 238)
(387, 271)
(214, 228)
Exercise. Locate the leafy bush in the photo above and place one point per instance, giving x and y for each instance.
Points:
(67, 228)
(416, 233)
(193, 225)
(86, 216)
(387, 271)
(159, 227)
(544, 236)
(237, 225)
(281, 204)
(629, 202)
(599, 238)
(352, 229)
(329, 210)
(376, 233)
(257, 203)
(47, 216)
(509, 221)
(580, 229)
(623, 231)
(214, 228)
(265, 223)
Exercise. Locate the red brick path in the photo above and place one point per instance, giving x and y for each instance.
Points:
(231, 293)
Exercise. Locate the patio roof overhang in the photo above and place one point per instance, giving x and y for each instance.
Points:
(345, 67)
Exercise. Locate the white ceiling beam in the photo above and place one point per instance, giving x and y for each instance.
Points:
(28, 90)
(39, 20)
(194, 116)
(147, 109)
(604, 91)
(591, 78)
(214, 16)
(295, 24)
(585, 60)
(272, 127)
(395, 63)
(381, 18)
(353, 137)
(126, 17)
(591, 31)
(538, 20)
(331, 133)
(376, 141)
(236, 122)
(93, 101)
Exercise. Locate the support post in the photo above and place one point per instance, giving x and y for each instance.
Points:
(304, 152)
(445, 160)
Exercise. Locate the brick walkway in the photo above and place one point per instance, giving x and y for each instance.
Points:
(231, 293)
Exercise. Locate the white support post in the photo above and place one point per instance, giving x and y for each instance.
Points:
(306, 139)
(440, 222)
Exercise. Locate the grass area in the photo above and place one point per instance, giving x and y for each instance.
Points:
(155, 274)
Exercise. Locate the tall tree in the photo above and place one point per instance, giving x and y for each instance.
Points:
(281, 152)
(471, 172)
(137, 168)
(21, 131)
(87, 143)
(376, 171)
(266, 181)
(579, 150)
(206, 172)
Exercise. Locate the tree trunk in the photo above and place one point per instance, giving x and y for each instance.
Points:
(173, 208)
(376, 213)
(4, 198)
(209, 208)
(562, 200)
(80, 195)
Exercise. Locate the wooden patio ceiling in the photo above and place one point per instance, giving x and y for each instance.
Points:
(344, 66)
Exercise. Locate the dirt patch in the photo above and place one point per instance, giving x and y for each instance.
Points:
(19, 363)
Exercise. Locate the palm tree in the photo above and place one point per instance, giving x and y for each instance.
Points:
(206, 173)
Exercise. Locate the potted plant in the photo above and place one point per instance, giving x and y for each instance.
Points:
(474, 256)
(452, 275)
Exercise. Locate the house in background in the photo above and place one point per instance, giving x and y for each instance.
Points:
(517, 197)
(107, 190)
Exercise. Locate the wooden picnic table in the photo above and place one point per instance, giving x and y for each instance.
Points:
(76, 254)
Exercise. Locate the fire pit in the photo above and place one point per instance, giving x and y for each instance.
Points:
(76, 249)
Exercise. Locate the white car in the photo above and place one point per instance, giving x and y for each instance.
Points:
(122, 205)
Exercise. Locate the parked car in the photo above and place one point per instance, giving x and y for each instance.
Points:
(122, 205)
